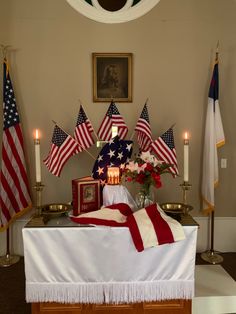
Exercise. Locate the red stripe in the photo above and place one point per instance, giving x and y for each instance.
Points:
(15, 178)
(64, 153)
(134, 231)
(14, 148)
(162, 229)
(5, 210)
(10, 194)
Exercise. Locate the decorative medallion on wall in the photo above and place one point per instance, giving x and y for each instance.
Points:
(118, 11)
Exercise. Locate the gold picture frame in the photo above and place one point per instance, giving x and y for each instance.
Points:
(112, 77)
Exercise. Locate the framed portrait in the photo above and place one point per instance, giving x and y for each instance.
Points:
(112, 77)
(86, 195)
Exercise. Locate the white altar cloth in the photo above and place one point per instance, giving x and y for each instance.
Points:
(101, 265)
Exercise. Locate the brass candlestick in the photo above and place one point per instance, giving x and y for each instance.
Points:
(38, 188)
(186, 186)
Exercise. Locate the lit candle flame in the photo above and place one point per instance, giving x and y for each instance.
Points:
(186, 137)
(36, 134)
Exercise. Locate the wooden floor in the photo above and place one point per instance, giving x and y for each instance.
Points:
(12, 284)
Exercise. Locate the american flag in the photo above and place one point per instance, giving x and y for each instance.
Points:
(164, 147)
(83, 131)
(112, 117)
(115, 153)
(14, 186)
(63, 146)
(143, 129)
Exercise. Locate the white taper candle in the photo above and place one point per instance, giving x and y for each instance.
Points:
(37, 156)
(186, 157)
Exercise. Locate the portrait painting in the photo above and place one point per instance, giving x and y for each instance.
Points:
(112, 77)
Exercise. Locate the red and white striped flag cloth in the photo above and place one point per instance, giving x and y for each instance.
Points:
(164, 148)
(14, 186)
(63, 146)
(83, 131)
(143, 130)
(149, 226)
(112, 117)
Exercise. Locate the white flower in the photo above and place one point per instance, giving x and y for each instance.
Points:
(133, 166)
(146, 156)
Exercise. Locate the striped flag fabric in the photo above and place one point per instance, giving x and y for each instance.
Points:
(63, 146)
(214, 138)
(14, 186)
(143, 130)
(149, 226)
(164, 148)
(83, 131)
(112, 117)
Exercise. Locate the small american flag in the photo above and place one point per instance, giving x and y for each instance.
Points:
(14, 187)
(63, 146)
(143, 129)
(112, 117)
(83, 131)
(164, 147)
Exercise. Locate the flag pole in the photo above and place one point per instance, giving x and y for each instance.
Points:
(211, 256)
(75, 140)
(7, 259)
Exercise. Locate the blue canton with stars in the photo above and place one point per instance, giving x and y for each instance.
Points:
(115, 153)
(168, 138)
(59, 136)
(11, 116)
(144, 114)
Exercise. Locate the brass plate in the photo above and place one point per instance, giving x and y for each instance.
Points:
(176, 208)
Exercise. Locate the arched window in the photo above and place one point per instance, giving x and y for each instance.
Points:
(118, 11)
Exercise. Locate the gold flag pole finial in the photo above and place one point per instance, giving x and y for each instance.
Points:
(4, 50)
(217, 50)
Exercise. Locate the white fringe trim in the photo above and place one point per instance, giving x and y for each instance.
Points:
(115, 292)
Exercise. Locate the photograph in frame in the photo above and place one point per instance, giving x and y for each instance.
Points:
(112, 77)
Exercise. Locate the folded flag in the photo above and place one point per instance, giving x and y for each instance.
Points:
(149, 226)
(115, 153)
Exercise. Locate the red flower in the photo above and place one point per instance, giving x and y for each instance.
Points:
(157, 178)
(129, 179)
(140, 178)
(149, 167)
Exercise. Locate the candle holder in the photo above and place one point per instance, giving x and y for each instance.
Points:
(186, 186)
(38, 188)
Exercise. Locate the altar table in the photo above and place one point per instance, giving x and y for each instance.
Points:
(90, 269)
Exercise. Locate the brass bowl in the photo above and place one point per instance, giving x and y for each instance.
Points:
(176, 208)
(55, 209)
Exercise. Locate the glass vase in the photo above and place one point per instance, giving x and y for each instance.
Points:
(144, 197)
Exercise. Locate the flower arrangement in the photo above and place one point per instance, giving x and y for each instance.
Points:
(146, 170)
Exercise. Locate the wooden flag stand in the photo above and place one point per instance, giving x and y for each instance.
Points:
(8, 259)
(211, 256)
